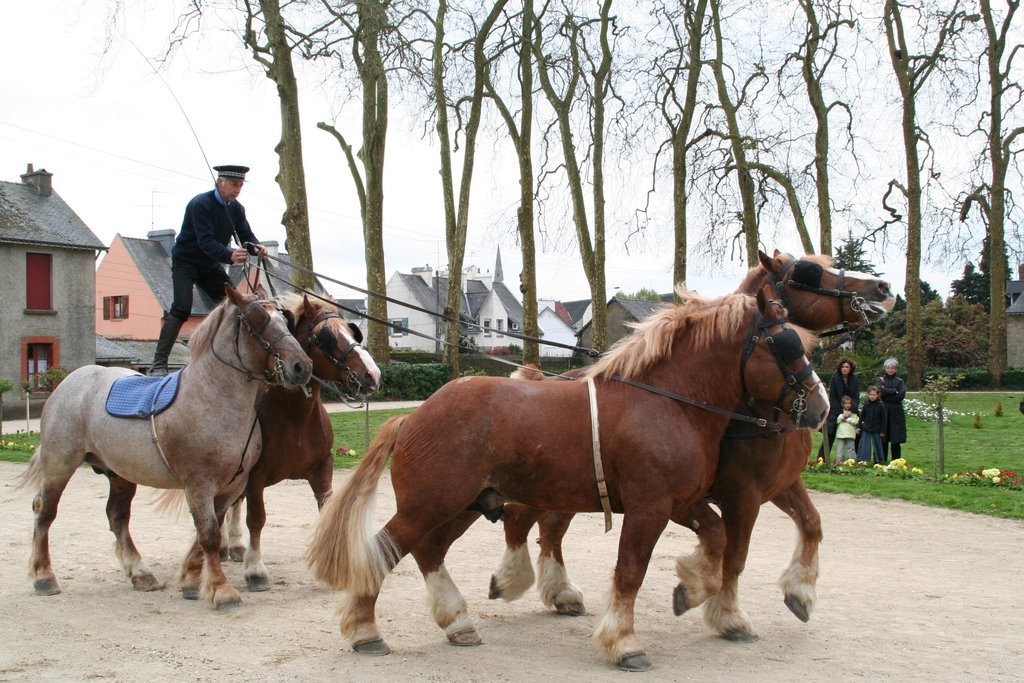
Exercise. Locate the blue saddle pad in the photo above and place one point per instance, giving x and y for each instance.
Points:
(141, 396)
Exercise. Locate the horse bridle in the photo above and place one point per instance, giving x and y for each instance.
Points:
(794, 381)
(810, 281)
(338, 363)
(241, 319)
(786, 347)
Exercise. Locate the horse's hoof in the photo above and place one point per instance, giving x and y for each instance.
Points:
(637, 663)
(223, 554)
(190, 592)
(236, 554)
(375, 648)
(797, 607)
(146, 583)
(257, 584)
(228, 605)
(679, 605)
(738, 635)
(493, 592)
(571, 609)
(468, 638)
(46, 587)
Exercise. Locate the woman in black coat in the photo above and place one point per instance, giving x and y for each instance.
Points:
(893, 391)
(842, 383)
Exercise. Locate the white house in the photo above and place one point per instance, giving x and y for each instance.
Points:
(488, 310)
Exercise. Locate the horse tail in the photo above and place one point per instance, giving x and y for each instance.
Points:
(170, 502)
(345, 553)
(33, 476)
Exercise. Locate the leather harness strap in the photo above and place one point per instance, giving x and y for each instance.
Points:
(602, 485)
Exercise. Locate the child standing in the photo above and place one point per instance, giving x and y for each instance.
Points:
(872, 422)
(846, 430)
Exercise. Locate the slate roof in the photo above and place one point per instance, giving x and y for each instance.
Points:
(639, 309)
(26, 217)
(1017, 307)
(576, 309)
(133, 351)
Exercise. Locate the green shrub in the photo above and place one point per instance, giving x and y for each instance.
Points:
(405, 382)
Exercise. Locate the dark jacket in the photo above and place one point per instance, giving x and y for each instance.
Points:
(893, 392)
(837, 388)
(207, 229)
(872, 417)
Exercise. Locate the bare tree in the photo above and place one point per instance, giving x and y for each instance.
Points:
(815, 54)
(520, 131)
(371, 34)
(912, 70)
(457, 219)
(579, 77)
(678, 71)
(991, 196)
(738, 143)
(271, 41)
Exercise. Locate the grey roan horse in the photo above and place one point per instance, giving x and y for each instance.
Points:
(201, 443)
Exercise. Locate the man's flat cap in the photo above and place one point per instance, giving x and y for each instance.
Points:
(235, 172)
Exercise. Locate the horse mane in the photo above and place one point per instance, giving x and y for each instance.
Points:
(753, 277)
(202, 339)
(292, 301)
(705, 321)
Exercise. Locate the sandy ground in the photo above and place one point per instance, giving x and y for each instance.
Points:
(907, 593)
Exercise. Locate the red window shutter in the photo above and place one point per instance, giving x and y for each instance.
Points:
(37, 281)
(125, 312)
(106, 308)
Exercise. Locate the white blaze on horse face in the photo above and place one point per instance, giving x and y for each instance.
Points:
(822, 395)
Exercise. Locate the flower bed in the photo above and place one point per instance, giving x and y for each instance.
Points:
(901, 469)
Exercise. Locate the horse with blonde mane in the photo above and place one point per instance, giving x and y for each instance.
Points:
(754, 467)
(570, 446)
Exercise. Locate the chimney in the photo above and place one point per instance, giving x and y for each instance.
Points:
(272, 248)
(164, 237)
(41, 180)
(1020, 271)
(426, 273)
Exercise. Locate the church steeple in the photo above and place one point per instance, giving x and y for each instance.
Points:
(498, 275)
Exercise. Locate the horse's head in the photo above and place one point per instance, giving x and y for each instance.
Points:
(775, 369)
(821, 297)
(334, 345)
(263, 343)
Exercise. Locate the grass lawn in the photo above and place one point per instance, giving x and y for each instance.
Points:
(996, 444)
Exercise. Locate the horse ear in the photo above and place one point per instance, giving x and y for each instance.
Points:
(762, 302)
(232, 294)
(357, 334)
(308, 309)
(290, 317)
(766, 261)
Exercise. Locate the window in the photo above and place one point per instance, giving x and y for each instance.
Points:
(37, 282)
(401, 327)
(513, 325)
(500, 322)
(115, 307)
(487, 327)
(39, 359)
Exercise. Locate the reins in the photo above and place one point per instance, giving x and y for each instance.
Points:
(845, 328)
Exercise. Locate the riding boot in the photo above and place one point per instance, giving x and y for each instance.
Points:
(168, 335)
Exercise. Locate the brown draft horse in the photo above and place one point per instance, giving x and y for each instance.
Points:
(200, 443)
(751, 471)
(297, 433)
(480, 441)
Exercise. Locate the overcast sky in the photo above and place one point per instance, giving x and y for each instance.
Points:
(124, 157)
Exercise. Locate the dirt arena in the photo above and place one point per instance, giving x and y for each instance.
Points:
(906, 593)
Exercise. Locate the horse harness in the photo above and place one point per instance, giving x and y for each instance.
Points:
(785, 346)
(315, 338)
(806, 276)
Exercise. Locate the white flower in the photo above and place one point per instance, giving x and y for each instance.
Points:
(991, 472)
(995, 480)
